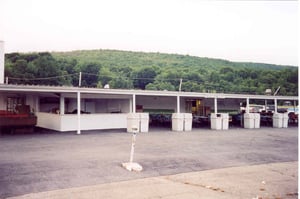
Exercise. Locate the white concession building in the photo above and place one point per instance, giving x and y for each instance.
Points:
(57, 108)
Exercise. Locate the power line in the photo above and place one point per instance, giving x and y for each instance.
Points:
(41, 78)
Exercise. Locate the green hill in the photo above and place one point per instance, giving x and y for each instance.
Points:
(110, 58)
(156, 71)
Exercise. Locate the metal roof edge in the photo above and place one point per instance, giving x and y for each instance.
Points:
(66, 89)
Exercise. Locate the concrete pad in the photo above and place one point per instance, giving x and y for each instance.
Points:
(132, 166)
(276, 180)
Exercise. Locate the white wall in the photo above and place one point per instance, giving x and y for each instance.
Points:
(49, 121)
(3, 101)
(88, 121)
(1, 62)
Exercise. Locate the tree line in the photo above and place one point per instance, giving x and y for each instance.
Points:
(150, 71)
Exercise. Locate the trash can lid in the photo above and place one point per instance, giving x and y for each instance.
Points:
(178, 115)
(133, 116)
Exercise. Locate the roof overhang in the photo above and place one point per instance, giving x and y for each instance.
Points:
(6, 88)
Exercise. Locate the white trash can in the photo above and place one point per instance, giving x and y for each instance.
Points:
(144, 121)
(285, 121)
(216, 121)
(225, 121)
(278, 120)
(256, 120)
(188, 121)
(248, 120)
(177, 121)
(133, 120)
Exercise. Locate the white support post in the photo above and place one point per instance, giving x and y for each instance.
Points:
(133, 103)
(132, 166)
(178, 104)
(130, 105)
(78, 114)
(247, 105)
(266, 105)
(2, 62)
(275, 105)
(62, 105)
(132, 147)
(216, 105)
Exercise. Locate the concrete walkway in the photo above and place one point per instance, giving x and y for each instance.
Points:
(266, 181)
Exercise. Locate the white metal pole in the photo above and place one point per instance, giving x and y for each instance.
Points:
(266, 105)
(62, 105)
(247, 105)
(2, 62)
(178, 104)
(78, 114)
(132, 147)
(133, 104)
(275, 105)
(216, 105)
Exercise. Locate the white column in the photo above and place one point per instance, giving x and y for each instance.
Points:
(62, 105)
(247, 105)
(266, 104)
(130, 105)
(178, 104)
(275, 105)
(216, 105)
(133, 103)
(1, 62)
(78, 114)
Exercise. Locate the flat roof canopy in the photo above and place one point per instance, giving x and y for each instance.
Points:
(122, 93)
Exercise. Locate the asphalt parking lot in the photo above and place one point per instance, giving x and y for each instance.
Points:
(49, 161)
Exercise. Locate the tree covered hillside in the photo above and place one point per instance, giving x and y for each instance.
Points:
(152, 71)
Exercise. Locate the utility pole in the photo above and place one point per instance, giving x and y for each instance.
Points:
(79, 83)
(277, 91)
(180, 84)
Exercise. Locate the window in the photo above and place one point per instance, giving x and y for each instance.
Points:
(13, 102)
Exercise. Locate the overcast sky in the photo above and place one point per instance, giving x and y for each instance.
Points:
(256, 31)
